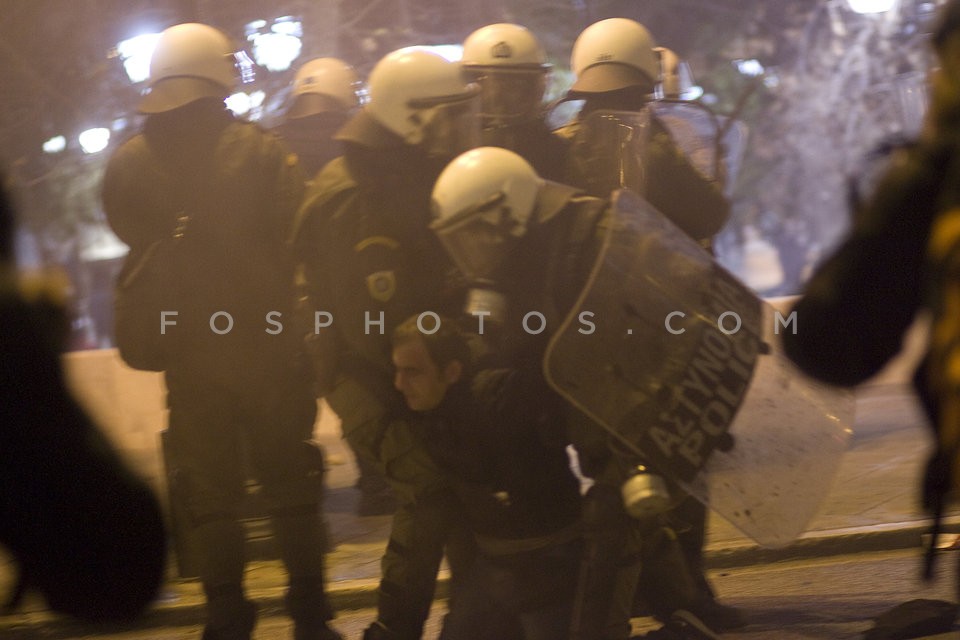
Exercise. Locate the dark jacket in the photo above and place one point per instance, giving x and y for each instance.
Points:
(311, 138)
(239, 189)
(363, 239)
(857, 305)
(673, 185)
(501, 442)
(534, 141)
(550, 267)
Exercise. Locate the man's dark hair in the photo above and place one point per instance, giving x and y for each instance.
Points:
(445, 345)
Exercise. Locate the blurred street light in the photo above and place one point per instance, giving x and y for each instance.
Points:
(94, 140)
(250, 104)
(277, 45)
(871, 6)
(751, 67)
(56, 144)
(135, 53)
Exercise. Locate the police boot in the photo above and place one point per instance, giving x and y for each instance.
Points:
(230, 616)
(690, 518)
(299, 538)
(608, 570)
(307, 603)
(687, 625)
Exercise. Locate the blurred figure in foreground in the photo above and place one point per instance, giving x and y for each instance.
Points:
(206, 202)
(901, 256)
(84, 531)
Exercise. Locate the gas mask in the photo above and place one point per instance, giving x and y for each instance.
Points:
(479, 240)
(481, 204)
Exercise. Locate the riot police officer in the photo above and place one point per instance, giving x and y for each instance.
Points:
(511, 67)
(526, 248)
(617, 69)
(325, 93)
(218, 196)
(370, 261)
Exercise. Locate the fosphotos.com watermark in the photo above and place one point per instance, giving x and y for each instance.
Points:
(532, 322)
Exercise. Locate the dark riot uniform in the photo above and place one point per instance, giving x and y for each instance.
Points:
(549, 271)
(673, 578)
(534, 142)
(311, 138)
(674, 186)
(545, 274)
(246, 392)
(499, 437)
(366, 250)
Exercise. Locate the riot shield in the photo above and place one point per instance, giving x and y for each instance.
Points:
(608, 152)
(681, 363)
(713, 144)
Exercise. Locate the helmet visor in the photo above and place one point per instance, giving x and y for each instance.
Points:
(609, 152)
(509, 96)
(478, 238)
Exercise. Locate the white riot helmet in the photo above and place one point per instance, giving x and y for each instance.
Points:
(191, 61)
(424, 98)
(504, 45)
(511, 67)
(324, 84)
(614, 54)
(482, 203)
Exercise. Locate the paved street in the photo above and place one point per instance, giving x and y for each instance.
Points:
(834, 598)
(871, 506)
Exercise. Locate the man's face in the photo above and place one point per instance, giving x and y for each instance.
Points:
(418, 377)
